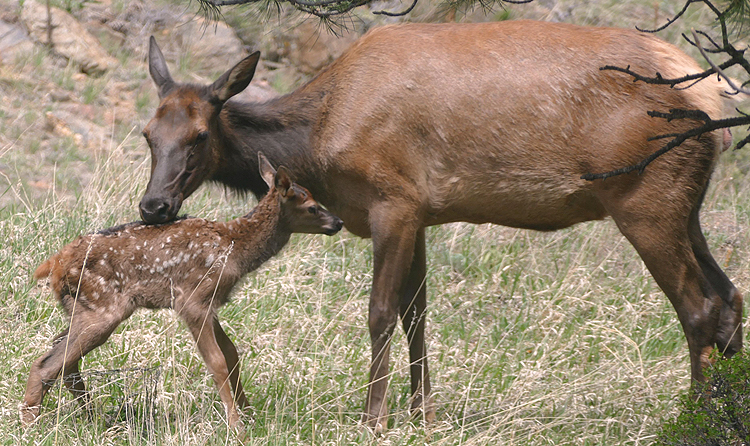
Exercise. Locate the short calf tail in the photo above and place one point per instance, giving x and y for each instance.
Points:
(43, 270)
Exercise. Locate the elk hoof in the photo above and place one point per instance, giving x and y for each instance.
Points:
(426, 409)
(376, 424)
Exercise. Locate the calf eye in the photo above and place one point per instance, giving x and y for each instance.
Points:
(202, 136)
(312, 210)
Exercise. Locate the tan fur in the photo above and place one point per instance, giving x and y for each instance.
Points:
(190, 265)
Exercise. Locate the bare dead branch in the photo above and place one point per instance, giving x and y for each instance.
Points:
(658, 79)
(677, 138)
(716, 49)
(718, 69)
(670, 21)
(736, 57)
(397, 14)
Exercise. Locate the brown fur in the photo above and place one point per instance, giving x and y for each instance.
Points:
(420, 124)
(190, 265)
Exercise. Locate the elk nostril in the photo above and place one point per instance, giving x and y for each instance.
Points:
(155, 211)
(337, 225)
(162, 211)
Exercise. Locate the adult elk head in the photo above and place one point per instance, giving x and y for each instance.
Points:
(182, 135)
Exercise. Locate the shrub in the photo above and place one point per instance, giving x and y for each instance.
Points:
(715, 413)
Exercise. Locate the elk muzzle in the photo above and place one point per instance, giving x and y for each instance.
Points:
(159, 209)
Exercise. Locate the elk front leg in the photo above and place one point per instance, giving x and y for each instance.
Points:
(413, 309)
(393, 239)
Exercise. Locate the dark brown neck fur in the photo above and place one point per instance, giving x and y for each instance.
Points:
(280, 128)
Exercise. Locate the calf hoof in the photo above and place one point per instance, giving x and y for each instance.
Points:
(29, 414)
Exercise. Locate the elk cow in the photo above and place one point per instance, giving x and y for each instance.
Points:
(190, 265)
(424, 124)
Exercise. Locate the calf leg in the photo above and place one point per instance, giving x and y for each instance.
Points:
(232, 359)
(413, 309)
(74, 382)
(200, 322)
(86, 332)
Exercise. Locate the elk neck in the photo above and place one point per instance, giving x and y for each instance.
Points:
(280, 128)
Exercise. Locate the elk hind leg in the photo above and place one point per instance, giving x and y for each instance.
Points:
(74, 382)
(665, 248)
(729, 332)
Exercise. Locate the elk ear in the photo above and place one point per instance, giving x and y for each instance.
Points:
(283, 183)
(157, 66)
(267, 172)
(237, 78)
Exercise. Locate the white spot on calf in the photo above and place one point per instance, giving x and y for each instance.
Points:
(210, 260)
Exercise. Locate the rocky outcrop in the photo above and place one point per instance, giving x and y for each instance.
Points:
(69, 38)
(13, 40)
(309, 48)
(209, 40)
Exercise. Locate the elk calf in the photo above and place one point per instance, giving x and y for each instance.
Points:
(190, 265)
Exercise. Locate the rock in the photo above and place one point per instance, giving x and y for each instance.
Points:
(257, 91)
(13, 40)
(69, 38)
(310, 47)
(77, 122)
(210, 41)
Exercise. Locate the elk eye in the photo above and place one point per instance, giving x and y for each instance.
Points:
(312, 210)
(202, 136)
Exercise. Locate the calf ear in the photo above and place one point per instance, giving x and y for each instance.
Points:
(157, 67)
(236, 79)
(283, 183)
(267, 172)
